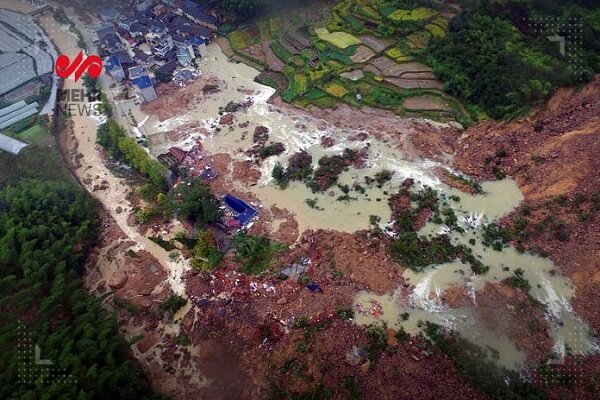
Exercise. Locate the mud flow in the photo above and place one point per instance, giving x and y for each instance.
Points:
(421, 300)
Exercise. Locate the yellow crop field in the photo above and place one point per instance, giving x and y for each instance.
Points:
(239, 40)
(412, 15)
(395, 53)
(435, 30)
(301, 84)
(336, 90)
(338, 39)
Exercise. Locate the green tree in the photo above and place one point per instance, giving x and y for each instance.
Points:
(46, 230)
(193, 200)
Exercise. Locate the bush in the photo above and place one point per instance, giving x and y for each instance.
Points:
(193, 200)
(255, 252)
(172, 305)
(280, 176)
(417, 254)
(273, 149)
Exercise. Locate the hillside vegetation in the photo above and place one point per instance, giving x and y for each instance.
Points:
(45, 232)
(498, 55)
(417, 57)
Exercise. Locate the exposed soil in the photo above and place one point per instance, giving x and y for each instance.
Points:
(175, 100)
(257, 317)
(554, 153)
(244, 330)
(377, 44)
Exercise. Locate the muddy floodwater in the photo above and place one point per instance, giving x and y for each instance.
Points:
(297, 131)
(421, 300)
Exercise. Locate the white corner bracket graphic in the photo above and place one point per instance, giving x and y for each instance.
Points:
(561, 41)
(38, 359)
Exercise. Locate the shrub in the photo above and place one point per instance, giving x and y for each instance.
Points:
(172, 304)
(255, 252)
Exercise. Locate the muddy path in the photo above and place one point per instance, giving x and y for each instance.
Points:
(135, 271)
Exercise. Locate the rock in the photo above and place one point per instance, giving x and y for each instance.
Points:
(408, 182)
(281, 301)
(365, 367)
(117, 280)
(327, 141)
(261, 134)
(356, 356)
(391, 337)
(226, 119)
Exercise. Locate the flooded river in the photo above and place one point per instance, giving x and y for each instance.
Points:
(422, 300)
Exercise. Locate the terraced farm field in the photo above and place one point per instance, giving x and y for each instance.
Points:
(360, 52)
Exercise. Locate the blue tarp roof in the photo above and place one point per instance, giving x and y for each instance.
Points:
(142, 82)
(113, 62)
(196, 41)
(244, 211)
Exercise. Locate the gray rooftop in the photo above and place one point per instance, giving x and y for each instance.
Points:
(11, 145)
(15, 70)
(12, 107)
(17, 115)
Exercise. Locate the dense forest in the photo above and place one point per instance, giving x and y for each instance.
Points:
(46, 229)
(498, 56)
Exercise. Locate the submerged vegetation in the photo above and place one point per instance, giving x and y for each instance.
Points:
(416, 252)
(324, 176)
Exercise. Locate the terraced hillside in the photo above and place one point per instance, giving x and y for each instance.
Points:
(360, 52)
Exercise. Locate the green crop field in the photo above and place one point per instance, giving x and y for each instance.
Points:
(35, 134)
(352, 35)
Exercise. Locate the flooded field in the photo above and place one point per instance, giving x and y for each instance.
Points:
(404, 308)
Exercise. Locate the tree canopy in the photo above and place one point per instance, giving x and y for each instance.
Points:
(193, 200)
(492, 58)
(46, 230)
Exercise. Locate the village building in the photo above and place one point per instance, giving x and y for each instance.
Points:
(109, 14)
(145, 89)
(114, 68)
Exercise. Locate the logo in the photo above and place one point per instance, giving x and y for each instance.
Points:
(91, 64)
(79, 102)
